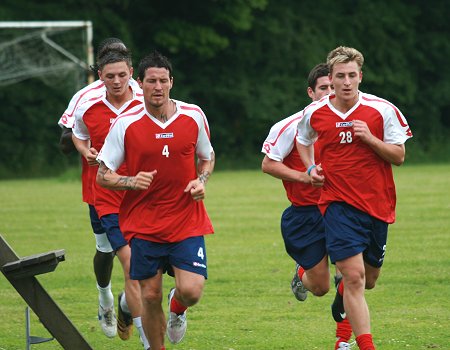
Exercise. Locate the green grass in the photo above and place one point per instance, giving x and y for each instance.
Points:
(247, 303)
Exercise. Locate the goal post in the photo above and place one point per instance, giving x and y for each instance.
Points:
(49, 50)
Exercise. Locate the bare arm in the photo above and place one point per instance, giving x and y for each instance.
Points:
(394, 154)
(85, 149)
(307, 157)
(197, 186)
(113, 181)
(281, 171)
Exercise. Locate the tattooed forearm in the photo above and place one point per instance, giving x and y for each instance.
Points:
(110, 179)
(203, 177)
(125, 183)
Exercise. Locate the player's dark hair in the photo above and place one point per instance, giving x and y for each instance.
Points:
(105, 45)
(155, 59)
(320, 70)
(114, 55)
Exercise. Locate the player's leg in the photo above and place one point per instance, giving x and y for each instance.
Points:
(304, 239)
(132, 289)
(103, 264)
(348, 236)
(353, 279)
(189, 263)
(148, 269)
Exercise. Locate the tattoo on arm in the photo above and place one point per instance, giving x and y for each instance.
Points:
(203, 177)
(121, 183)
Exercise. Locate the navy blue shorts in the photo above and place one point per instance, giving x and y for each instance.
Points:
(148, 257)
(110, 223)
(303, 233)
(350, 231)
(95, 221)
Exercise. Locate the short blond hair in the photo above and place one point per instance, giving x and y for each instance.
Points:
(343, 54)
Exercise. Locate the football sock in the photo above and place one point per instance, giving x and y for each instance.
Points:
(176, 306)
(300, 272)
(343, 332)
(123, 304)
(105, 296)
(341, 288)
(365, 342)
(137, 321)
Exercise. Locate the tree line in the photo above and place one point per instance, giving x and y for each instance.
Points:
(245, 62)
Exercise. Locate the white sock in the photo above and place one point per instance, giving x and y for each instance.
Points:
(123, 304)
(138, 324)
(105, 296)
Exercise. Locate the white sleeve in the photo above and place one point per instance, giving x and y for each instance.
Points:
(280, 141)
(306, 135)
(67, 120)
(112, 153)
(79, 129)
(204, 147)
(396, 128)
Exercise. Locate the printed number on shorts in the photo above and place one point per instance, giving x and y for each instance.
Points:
(200, 253)
(165, 151)
(346, 136)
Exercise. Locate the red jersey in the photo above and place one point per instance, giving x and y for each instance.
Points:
(67, 120)
(280, 146)
(93, 119)
(164, 212)
(353, 172)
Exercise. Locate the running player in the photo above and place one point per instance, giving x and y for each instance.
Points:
(360, 137)
(93, 119)
(162, 214)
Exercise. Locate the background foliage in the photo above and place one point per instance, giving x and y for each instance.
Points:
(245, 62)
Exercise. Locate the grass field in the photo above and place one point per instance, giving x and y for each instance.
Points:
(247, 304)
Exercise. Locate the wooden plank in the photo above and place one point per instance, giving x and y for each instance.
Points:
(37, 298)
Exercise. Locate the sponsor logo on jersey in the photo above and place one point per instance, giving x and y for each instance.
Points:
(344, 124)
(167, 135)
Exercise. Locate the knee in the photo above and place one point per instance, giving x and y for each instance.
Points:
(321, 289)
(190, 296)
(355, 279)
(151, 296)
(370, 282)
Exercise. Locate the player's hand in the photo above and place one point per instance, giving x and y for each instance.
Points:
(142, 180)
(317, 177)
(91, 156)
(361, 130)
(197, 189)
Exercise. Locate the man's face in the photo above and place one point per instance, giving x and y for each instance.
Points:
(116, 77)
(323, 87)
(345, 80)
(156, 86)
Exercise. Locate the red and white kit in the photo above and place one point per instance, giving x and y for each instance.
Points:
(370, 185)
(93, 119)
(163, 213)
(280, 146)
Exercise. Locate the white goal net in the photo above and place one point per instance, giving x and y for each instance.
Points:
(54, 51)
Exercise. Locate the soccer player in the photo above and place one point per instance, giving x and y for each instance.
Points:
(93, 119)
(301, 223)
(103, 258)
(360, 137)
(162, 213)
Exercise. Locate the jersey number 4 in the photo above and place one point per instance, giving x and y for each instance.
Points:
(165, 151)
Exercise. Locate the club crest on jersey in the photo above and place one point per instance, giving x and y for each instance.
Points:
(165, 135)
(344, 124)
